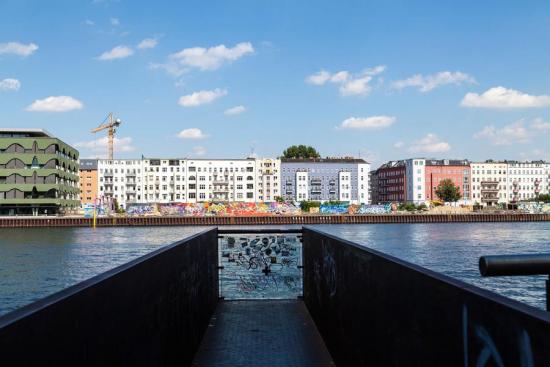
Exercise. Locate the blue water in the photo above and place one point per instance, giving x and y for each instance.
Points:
(37, 262)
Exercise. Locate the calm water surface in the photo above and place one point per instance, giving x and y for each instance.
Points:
(37, 262)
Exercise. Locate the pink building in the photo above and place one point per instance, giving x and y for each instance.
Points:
(438, 170)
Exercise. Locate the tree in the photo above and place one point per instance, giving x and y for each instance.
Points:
(300, 151)
(448, 191)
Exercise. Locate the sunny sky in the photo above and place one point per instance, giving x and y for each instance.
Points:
(383, 79)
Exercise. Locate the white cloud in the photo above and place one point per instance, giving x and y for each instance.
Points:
(199, 150)
(203, 58)
(500, 97)
(539, 125)
(349, 84)
(235, 110)
(10, 84)
(430, 82)
(147, 43)
(55, 104)
(115, 22)
(119, 52)
(16, 48)
(430, 144)
(509, 134)
(319, 78)
(373, 122)
(98, 147)
(89, 22)
(201, 97)
(192, 133)
(398, 144)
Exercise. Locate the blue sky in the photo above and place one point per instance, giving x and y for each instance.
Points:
(384, 79)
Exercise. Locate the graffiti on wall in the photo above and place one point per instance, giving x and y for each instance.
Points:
(248, 209)
(534, 207)
(344, 208)
(260, 266)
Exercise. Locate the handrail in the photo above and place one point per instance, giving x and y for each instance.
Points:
(517, 265)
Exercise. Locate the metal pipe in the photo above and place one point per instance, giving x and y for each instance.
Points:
(507, 265)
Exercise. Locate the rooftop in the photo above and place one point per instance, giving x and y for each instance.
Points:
(6, 132)
(324, 160)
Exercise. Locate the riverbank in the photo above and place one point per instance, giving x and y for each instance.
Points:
(19, 222)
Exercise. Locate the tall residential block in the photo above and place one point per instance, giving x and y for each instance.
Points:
(166, 180)
(326, 179)
(38, 173)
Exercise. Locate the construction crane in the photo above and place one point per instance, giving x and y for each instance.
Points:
(111, 124)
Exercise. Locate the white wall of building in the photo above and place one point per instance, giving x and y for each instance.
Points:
(526, 180)
(302, 186)
(165, 180)
(120, 179)
(363, 183)
(416, 180)
(489, 172)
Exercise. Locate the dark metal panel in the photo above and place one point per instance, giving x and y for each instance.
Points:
(152, 311)
(376, 310)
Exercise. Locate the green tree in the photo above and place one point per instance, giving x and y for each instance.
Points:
(300, 151)
(448, 191)
(306, 205)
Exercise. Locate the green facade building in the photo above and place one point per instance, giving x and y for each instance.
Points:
(38, 173)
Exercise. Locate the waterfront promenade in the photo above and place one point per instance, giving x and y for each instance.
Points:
(124, 221)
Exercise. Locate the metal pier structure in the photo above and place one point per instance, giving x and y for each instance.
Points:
(274, 298)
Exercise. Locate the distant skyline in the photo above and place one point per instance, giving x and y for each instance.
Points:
(385, 80)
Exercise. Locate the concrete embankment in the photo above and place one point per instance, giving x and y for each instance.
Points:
(6, 222)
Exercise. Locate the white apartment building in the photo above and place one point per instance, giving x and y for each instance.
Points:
(526, 180)
(489, 183)
(120, 179)
(163, 180)
(415, 171)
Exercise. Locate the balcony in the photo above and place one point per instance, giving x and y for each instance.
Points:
(130, 174)
(108, 174)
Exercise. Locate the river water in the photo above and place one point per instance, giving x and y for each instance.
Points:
(37, 262)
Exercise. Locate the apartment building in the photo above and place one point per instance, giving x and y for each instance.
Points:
(458, 171)
(325, 179)
(527, 180)
(120, 180)
(88, 180)
(165, 180)
(416, 179)
(391, 182)
(38, 173)
(489, 183)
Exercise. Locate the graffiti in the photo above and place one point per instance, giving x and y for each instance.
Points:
(140, 209)
(489, 353)
(88, 210)
(247, 209)
(534, 207)
(260, 266)
(344, 208)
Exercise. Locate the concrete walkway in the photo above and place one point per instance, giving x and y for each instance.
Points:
(262, 333)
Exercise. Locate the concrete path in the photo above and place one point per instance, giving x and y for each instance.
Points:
(262, 333)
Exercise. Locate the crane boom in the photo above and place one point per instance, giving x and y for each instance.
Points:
(110, 126)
